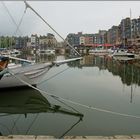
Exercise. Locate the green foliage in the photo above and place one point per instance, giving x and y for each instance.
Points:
(6, 42)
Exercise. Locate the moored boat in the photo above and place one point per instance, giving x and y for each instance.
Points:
(3, 64)
(123, 53)
(48, 52)
(31, 74)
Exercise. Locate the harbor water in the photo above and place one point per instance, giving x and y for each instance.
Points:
(105, 93)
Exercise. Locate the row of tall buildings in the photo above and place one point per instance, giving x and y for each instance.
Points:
(127, 33)
(35, 41)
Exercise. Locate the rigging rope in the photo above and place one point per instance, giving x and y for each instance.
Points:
(3, 125)
(51, 95)
(55, 98)
(14, 126)
(20, 21)
(56, 74)
(73, 102)
(70, 128)
(10, 15)
(32, 124)
(29, 6)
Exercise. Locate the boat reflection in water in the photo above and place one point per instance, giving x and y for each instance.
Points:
(129, 73)
(24, 103)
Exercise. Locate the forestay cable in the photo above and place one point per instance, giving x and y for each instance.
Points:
(73, 102)
(29, 6)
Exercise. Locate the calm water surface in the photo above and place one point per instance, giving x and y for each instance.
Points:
(95, 81)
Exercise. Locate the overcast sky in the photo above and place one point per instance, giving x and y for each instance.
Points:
(66, 16)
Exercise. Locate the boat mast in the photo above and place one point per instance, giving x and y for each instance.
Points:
(130, 27)
(123, 34)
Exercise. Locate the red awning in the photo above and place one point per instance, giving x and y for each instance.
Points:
(98, 45)
(108, 45)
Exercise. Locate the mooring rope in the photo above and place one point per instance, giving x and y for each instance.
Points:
(55, 75)
(32, 124)
(14, 122)
(54, 96)
(73, 102)
(77, 122)
(42, 91)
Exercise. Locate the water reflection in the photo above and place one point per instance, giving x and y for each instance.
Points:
(44, 58)
(26, 102)
(129, 73)
(96, 81)
(39, 58)
(89, 84)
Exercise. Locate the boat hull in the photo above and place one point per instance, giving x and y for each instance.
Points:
(24, 76)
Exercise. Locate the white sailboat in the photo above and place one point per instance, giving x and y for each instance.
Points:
(122, 54)
(31, 74)
(47, 51)
(23, 75)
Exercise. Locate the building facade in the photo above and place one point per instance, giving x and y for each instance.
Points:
(112, 36)
(34, 41)
(126, 34)
(47, 42)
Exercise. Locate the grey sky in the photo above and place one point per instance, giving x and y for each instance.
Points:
(66, 16)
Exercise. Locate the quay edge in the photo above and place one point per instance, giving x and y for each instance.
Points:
(44, 137)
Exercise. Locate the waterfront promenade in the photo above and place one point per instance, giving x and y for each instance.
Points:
(33, 137)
